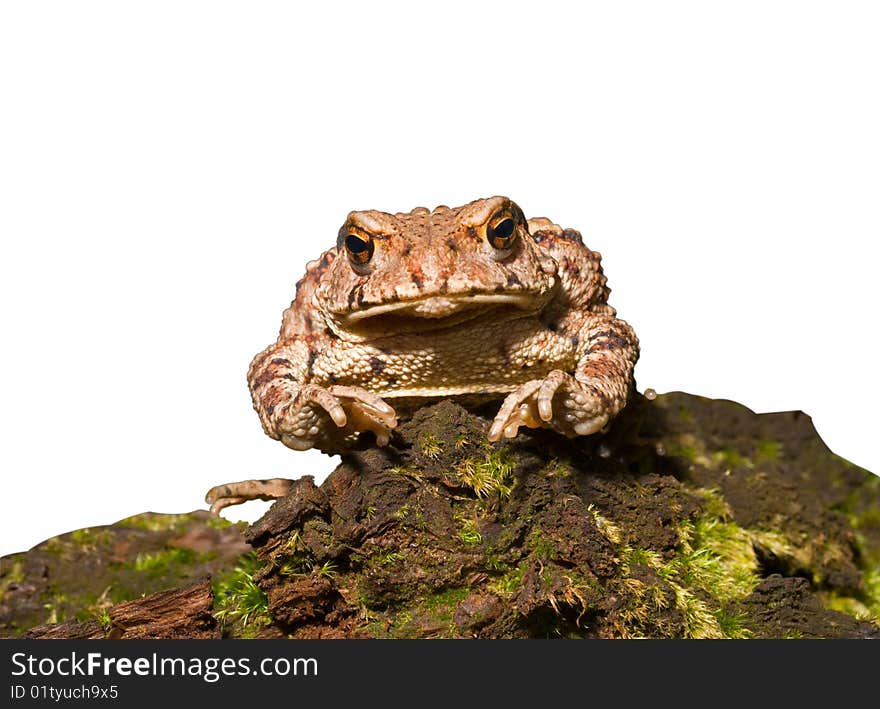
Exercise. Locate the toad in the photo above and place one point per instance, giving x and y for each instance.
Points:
(473, 302)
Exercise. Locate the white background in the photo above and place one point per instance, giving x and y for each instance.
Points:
(167, 169)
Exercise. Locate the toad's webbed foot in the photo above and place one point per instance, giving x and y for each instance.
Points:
(221, 496)
(559, 401)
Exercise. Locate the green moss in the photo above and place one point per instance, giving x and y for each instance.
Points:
(468, 532)
(712, 503)
(294, 561)
(55, 546)
(714, 564)
(608, 529)
(871, 577)
(119, 594)
(418, 518)
(240, 605)
(732, 458)
(441, 606)
(90, 538)
(89, 570)
(154, 522)
(401, 625)
(864, 519)
(461, 441)
(868, 518)
(679, 450)
(510, 582)
(386, 557)
(223, 523)
(96, 608)
(849, 605)
(494, 563)
(104, 619)
(700, 622)
(488, 474)
(542, 547)
(558, 469)
(637, 556)
(82, 541)
(768, 450)
(451, 596)
(732, 625)
(718, 558)
(409, 471)
(689, 447)
(161, 562)
(638, 604)
(12, 574)
(398, 624)
(402, 512)
(291, 558)
(328, 570)
(56, 607)
(429, 445)
(795, 553)
(863, 605)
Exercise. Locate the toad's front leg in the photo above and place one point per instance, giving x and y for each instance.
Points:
(303, 413)
(312, 417)
(582, 403)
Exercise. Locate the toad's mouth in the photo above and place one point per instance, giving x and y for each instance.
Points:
(442, 306)
(436, 312)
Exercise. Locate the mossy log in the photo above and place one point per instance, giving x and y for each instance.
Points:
(95, 582)
(185, 613)
(689, 518)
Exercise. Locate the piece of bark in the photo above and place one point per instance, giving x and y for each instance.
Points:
(179, 613)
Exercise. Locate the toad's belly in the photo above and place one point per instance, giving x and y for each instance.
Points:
(492, 359)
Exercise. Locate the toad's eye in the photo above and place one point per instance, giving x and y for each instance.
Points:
(359, 248)
(501, 233)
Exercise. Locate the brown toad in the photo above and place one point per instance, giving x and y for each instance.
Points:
(473, 302)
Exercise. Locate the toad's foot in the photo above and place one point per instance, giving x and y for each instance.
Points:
(558, 401)
(351, 409)
(222, 496)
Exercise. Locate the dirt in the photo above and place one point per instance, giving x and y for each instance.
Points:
(689, 518)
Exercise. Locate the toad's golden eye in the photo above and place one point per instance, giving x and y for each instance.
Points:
(502, 233)
(359, 248)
